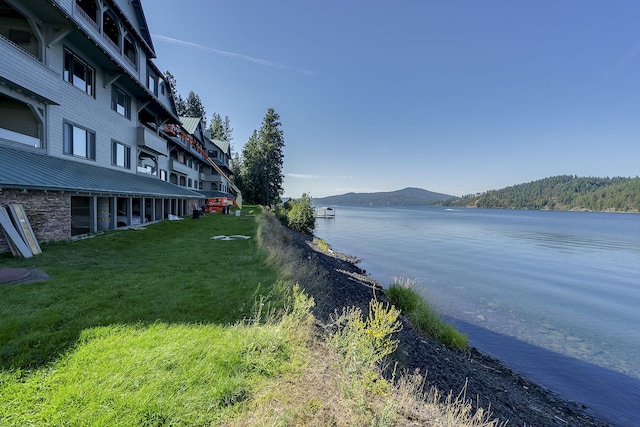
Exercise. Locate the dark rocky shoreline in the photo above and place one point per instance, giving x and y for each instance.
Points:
(485, 381)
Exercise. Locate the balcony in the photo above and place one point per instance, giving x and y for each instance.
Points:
(149, 140)
(180, 168)
(78, 11)
(18, 61)
(210, 178)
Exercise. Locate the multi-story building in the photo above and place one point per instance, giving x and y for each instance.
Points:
(197, 162)
(82, 106)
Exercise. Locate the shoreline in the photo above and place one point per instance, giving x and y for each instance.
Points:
(485, 381)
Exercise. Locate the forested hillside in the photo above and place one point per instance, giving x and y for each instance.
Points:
(564, 192)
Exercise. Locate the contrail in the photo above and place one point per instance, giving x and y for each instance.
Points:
(230, 54)
(630, 56)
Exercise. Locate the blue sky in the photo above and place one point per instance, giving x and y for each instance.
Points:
(451, 96)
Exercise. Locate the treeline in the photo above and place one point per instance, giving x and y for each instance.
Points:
(564, 192)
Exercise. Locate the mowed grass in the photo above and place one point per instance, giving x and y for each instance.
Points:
(170, 272)
(140, 327)
(139, 375)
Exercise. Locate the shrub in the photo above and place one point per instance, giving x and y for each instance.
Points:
(301, 216)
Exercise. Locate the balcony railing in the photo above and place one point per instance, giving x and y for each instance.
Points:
(111, 43)
(86, 17)
(9, 135)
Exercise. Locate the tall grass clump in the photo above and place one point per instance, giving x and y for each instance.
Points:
(422, 315)
(322, 244)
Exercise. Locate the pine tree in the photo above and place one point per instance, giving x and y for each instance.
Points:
(220, 129)
(194, 107)
(272, 139)
(262, 162)
(181, 105)
(251, 170)
(236, 168)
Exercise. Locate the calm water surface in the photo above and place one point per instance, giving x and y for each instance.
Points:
(555, 295)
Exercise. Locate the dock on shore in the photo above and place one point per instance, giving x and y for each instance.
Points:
(325, 212)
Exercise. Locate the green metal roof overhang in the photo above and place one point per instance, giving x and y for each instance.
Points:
(31, 169)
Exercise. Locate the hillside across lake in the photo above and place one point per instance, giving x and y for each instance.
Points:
(406, 197)
(564, 192)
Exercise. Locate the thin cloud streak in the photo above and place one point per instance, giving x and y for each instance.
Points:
(311, 176)
(304, 176)
(233, 55)
(627, 59)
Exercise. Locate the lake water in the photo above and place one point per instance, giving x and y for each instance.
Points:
(554, 295)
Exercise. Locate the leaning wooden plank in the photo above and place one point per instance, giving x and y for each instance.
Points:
(24, 228)
(12, 247)
(12, 235)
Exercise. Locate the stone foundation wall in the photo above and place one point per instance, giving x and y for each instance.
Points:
(49, 214)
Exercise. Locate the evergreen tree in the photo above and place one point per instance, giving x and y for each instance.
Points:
(251, 170)
(220, 129)
(181, 105)
(236, 168)
(262, 162)
(272, 139)
(194, 107)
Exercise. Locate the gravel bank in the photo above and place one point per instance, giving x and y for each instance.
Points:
(489, 384)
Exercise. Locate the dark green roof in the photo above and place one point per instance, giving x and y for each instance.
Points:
(33, 170)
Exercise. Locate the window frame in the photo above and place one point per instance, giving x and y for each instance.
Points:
(118, 148)
(152, 77)
(72, 148)
(71, 64)
(116, 93)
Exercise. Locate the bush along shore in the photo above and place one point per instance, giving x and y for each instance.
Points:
(170, 325)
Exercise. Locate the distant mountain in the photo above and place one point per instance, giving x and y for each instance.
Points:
(405, 197)
(563, 192)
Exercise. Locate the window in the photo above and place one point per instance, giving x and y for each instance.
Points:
(79, 142)
(163, 175)
(121, 155)
(78, 73)
(120, 102)
(190, 182)
(152, 82)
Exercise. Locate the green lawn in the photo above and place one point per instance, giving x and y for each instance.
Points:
(170, 272)
(139, 327)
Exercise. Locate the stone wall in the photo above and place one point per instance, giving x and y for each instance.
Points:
(49, 213)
